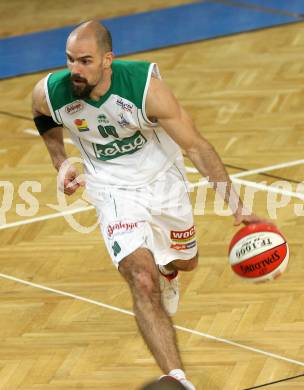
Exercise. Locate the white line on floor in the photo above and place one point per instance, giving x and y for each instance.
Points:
(45, 217)
(264, 187)
(181, 328)
(258, 170)
(35, 133)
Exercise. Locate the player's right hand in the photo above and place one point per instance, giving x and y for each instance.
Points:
(71, 181)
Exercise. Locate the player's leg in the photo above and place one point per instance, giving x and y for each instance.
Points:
(156, 327)
(141, 273)
(127, 235)
(175, 244)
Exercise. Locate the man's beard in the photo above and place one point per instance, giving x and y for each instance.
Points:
(83, 90)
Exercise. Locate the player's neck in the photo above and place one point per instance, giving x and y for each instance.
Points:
(102, 87)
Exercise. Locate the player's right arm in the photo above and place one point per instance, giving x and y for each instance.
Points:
(52, 135)
(49, 130)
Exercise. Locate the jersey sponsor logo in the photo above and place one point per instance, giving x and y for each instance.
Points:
(105, 131)
(102, 119)
(81, 124)
(124, 105)
(117, 148)
(183, 235)
(121, 227)
(74, 107)
(123, 121)
(180, 247)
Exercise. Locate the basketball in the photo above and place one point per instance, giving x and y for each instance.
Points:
(258, 253)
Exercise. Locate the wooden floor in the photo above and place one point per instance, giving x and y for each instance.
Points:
(245, 93)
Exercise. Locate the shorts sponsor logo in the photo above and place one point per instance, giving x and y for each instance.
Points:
(183, 236)
(180, 247)
(81, 124)
(74, 107)
(121, 228)
(128, 145)
(124, 105)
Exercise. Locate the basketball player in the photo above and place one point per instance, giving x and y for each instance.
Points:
(129, 129)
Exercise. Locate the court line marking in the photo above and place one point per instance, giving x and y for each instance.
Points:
(258, 170)
(15, 115)
(36, 134)
(271, 175)
(273, 383)
(45, 217)
(130, 313)
(265, 187)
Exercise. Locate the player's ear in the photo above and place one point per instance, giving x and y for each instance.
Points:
(107, 59)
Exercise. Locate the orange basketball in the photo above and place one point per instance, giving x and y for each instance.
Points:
(258, 252)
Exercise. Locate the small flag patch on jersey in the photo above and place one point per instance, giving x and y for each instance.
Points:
(81, 124)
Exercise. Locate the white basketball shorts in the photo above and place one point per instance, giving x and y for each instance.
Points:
(157, 216)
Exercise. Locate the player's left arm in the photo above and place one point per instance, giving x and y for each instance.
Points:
(163, 106)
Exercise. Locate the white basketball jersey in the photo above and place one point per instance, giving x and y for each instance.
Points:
(120, 146)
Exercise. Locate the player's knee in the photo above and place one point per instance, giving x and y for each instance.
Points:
(141, 274)
(145, 285)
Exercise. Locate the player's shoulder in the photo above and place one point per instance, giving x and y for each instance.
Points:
(134, 72)
(129, 80)
(59, 79)
(39, 104)
(130, 67)
(58, 88)
(38, 90)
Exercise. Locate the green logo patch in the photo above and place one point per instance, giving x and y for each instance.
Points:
(116, 248)
(102, 119)
(105, 131)
(117, 148)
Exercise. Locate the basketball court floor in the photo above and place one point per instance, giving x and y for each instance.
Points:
(66, 318)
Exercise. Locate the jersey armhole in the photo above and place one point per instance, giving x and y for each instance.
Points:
(153, 71)
(46, 91)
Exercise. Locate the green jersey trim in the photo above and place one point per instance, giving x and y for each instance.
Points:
(129, 80)
(46, 91)
(59, 90)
